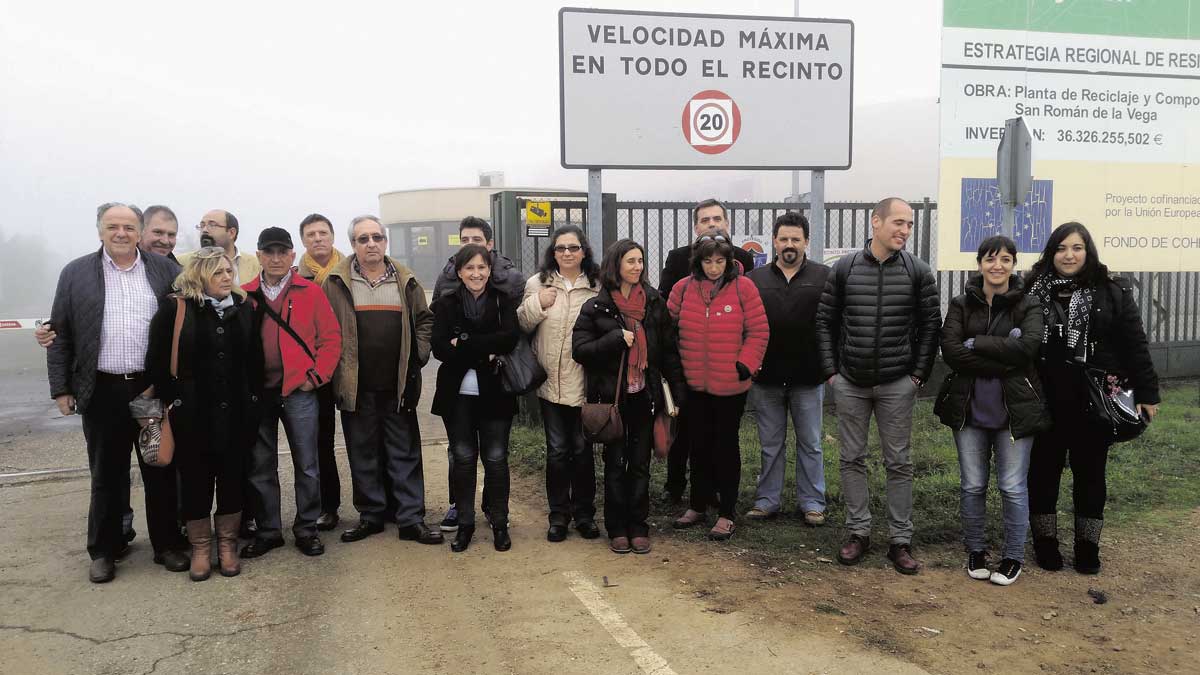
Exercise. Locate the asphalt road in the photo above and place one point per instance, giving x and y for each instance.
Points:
(376, 606)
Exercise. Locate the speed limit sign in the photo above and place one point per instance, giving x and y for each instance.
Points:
(711, 122)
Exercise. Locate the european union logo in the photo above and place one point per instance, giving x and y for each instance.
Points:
(982, 213)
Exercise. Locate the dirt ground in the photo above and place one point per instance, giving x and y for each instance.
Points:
(945, 622)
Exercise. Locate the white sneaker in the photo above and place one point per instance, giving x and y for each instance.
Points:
(1007, 573)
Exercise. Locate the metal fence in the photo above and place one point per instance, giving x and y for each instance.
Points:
(1169, 301)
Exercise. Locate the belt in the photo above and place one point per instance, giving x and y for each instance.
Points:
(120, 376)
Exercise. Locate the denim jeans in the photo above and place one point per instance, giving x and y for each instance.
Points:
(975, 448)
(570, 465)
(772, 404)
(299, 412)
(384, 442)
(892, 405)
(476, 433)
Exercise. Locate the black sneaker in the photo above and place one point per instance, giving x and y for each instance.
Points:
(977, 565)
(450, 522)
(1007, 573)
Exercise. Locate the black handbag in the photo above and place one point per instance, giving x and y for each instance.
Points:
(1111, 405)
(520, 370)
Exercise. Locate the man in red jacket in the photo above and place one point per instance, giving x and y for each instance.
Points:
(301, 345)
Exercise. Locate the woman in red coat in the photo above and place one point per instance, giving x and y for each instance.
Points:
(722, 337)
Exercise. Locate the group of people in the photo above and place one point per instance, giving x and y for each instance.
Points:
(232, 345)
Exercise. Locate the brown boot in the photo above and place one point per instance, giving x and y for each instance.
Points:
(227, 541)
(200, 536)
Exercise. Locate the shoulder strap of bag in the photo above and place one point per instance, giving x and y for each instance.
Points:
(620, 376)
(180, 311)
(262, 302)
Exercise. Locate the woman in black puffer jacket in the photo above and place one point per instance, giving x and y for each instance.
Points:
(626, 332)
(992, 401)
(1092, 323)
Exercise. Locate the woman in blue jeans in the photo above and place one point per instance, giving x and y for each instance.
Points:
(471, 327)
(993, 402)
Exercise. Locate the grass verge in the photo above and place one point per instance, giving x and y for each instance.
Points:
(1152, 481)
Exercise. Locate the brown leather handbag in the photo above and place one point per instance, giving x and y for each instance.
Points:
(155, 441)
(602, 421)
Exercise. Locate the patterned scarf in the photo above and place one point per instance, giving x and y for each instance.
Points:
(633, 309)
(220, 306)
(1079, 310)
(320, 273)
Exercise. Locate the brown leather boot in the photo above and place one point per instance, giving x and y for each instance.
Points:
(199, 533)
(227, 541)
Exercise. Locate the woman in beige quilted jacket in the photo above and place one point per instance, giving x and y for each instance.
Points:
(553, 297)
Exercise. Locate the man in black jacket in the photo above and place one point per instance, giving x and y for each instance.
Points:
(790, 378)
(877, 333)
(708, 214)
(101, 316)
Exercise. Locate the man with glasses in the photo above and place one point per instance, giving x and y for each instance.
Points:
(220, 228)
(707, 215)
(319, 259)
(386, 328)
(506, 279)
(301, 344)
(101, 312)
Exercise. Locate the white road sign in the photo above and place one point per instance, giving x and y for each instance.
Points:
(647, 90)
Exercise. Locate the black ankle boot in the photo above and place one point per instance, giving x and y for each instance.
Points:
(501, 539)
(462, 539)
(1045, 552)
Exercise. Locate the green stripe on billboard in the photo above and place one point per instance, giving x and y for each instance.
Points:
(1178, 19)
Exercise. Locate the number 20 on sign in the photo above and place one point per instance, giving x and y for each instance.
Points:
(711, 122)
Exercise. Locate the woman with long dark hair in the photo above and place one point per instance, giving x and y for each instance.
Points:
(471, 327)
(992, 401)
(723, 335)
(1092, 326)
(626, 332)
(553, 298)
(213, 398)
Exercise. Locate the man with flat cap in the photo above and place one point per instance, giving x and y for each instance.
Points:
(301, 345)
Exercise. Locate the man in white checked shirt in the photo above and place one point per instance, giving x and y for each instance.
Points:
(101, 314)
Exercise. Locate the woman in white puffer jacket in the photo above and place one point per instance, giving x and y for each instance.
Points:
(553, 298)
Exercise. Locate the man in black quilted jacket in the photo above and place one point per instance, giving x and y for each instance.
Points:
(877, 333)
(101, 314)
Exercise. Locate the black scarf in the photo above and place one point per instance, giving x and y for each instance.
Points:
(472, 306)
(1079, 310)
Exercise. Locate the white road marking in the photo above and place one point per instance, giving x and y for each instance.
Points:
(612, 621)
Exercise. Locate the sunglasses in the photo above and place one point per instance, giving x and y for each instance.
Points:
(210, 252)
(568, 248)
(364, 239)
(714, 237)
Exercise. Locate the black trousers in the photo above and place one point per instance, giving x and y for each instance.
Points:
(203, 471)
(111, 435)
(716, 456)
(1075, 440)
(475, 433)
(331, 484)
(570, 465)
(627, 471)
(677, 458)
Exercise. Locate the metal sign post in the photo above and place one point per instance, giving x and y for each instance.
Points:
(595, 213)
(816, 223)
(1014, 170)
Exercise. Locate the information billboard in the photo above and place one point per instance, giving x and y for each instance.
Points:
(1110, 91)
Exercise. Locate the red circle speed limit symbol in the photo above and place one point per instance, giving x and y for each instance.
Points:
(711, 122)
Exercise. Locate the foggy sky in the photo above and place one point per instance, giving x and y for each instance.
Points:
(275, 110)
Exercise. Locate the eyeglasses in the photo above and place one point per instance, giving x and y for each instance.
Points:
(210, 224)
(568, 248)
(210, 252)
(364, 239)
(713, 237)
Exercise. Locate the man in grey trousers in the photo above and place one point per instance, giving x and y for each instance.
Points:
(877, 334)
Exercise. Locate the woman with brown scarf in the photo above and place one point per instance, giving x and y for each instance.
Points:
(626, 342)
